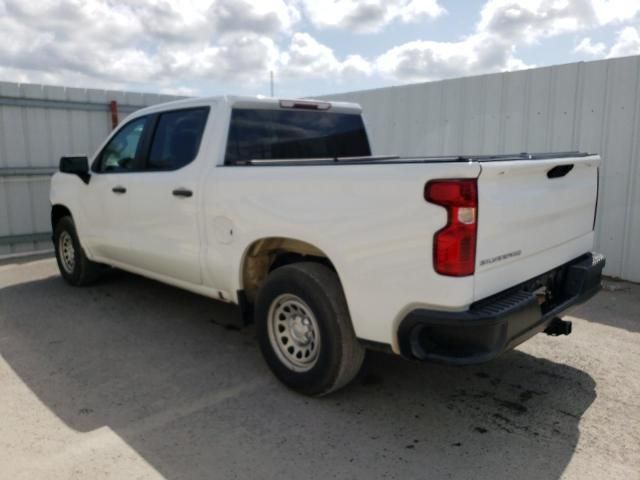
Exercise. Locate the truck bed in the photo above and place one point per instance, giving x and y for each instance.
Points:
(395, 159)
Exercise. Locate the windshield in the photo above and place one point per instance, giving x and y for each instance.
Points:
(285, 134)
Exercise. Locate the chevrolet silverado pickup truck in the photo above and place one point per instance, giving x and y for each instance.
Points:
(280, 207)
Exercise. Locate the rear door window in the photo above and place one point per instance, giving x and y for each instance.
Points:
(176, 139)
(285, 134)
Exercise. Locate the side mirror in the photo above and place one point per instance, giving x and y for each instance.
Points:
(76, 165)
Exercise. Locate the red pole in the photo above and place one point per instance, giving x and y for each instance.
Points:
(114, 114)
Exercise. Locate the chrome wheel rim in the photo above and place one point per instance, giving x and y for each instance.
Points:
(294, 333)
(67, 252)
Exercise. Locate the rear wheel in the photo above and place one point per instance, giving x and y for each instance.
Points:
(305, 331)
(74, 266)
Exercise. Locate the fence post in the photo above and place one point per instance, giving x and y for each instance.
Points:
(114, 114)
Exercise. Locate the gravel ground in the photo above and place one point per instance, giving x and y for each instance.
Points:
(131, 379)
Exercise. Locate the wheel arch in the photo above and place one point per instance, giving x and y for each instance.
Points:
(58, 211)
(266, 254)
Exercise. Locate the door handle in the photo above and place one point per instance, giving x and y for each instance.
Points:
(119, 190)
(182, 192)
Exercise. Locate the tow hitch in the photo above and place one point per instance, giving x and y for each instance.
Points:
(557, 326)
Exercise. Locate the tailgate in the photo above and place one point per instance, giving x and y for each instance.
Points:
(533, 216)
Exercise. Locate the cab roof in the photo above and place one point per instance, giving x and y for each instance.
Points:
(258, 102)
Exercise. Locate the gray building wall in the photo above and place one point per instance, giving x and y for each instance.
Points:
(592, 107)
(39, 124)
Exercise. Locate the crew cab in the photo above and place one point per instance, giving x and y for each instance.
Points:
(279, 206)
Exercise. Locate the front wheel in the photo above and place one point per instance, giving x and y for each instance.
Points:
(74, 266)
(305, 331)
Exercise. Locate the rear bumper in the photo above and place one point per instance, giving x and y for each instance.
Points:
(500, 322)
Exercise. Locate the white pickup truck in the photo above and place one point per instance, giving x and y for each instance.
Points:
(279, 206)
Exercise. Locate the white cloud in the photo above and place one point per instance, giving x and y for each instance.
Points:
(427, 60)
(369, 15)
(588, 47)
(20, 75)
(268, 17)
(355, 66)
(306, 57)
(531, 20)
(610, 11)
(139, 42)
(170, 45)
(238, 56)
(627, 43)
(503, 25)
(169, 22)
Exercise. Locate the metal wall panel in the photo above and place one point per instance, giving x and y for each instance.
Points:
(592, 107)
(34, 133)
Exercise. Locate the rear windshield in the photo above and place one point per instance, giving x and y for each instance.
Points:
(287, 134)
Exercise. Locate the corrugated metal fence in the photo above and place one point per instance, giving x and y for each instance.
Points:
(39, 124)
(592, 107)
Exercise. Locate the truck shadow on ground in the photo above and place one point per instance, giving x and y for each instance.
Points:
(170, 373)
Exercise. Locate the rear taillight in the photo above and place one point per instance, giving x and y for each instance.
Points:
(454, 246)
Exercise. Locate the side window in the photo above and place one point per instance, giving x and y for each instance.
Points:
(176, 139)
(121, 153)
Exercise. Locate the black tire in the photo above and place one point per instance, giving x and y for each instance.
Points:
(339, 355)
(80, 271)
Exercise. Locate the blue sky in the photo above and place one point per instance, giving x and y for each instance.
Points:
(208, 47)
